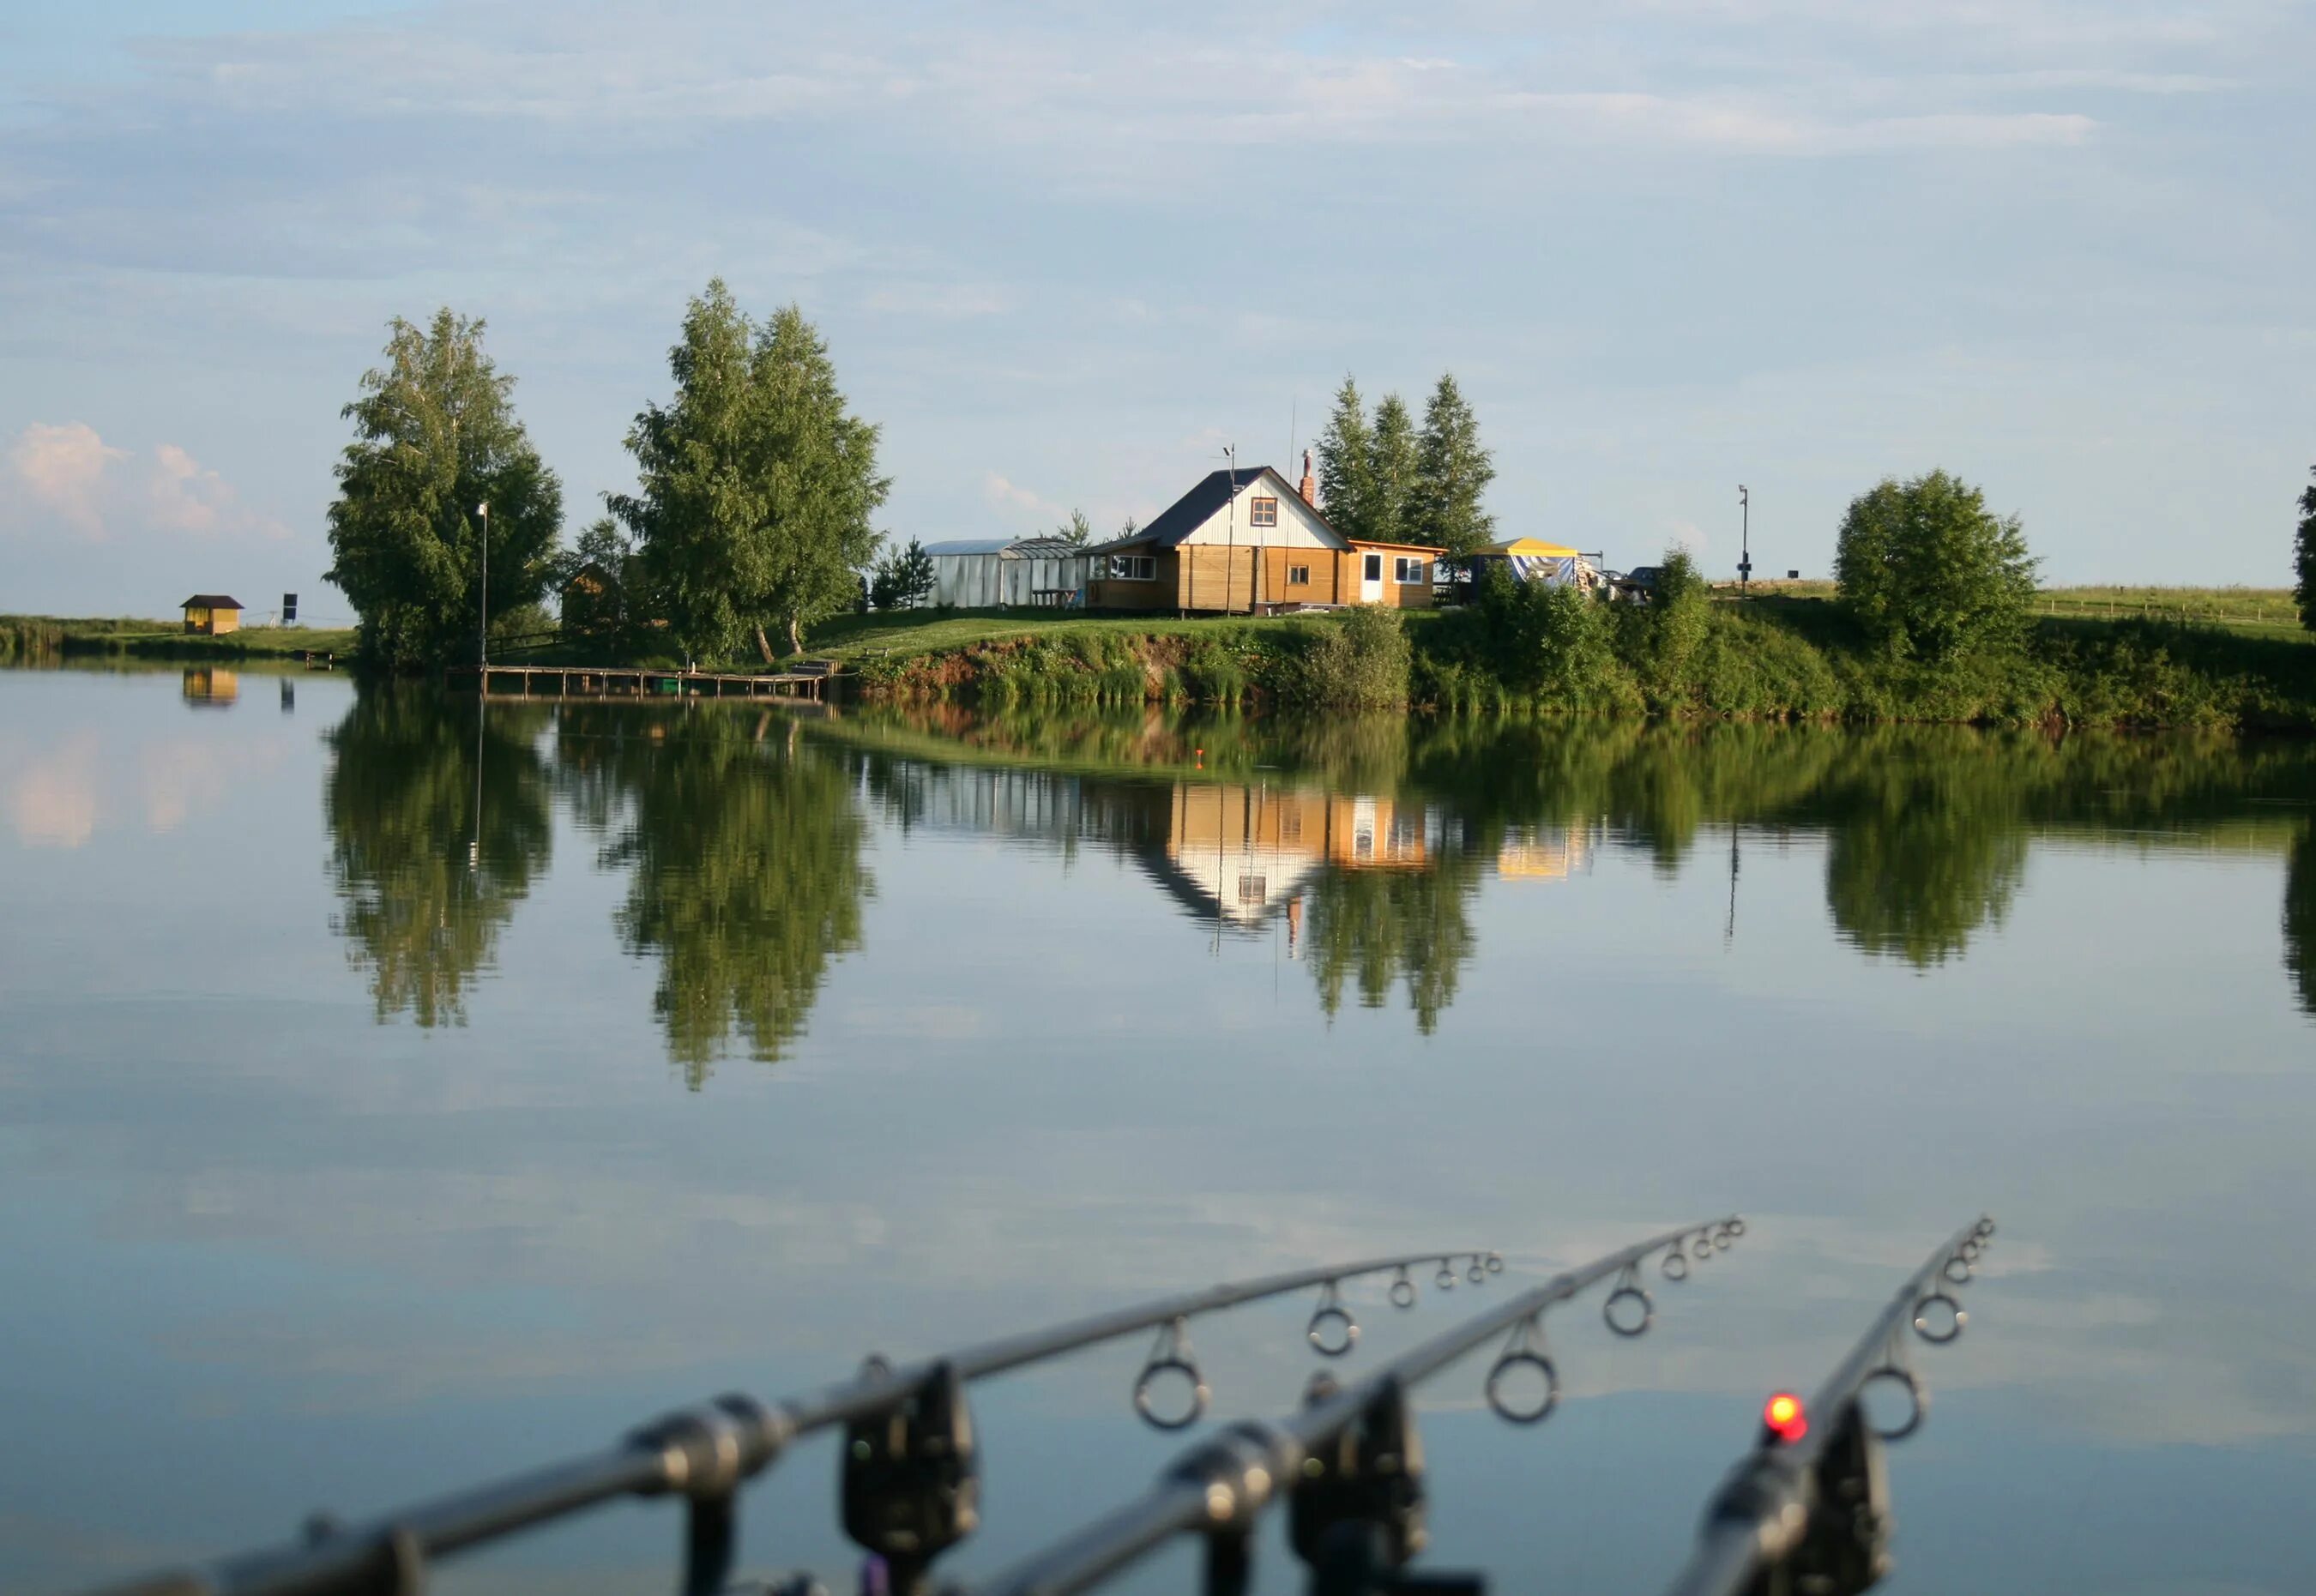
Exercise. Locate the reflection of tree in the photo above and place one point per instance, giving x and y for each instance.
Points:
(425, 892)
(2300, 918)
(1378, 926)
(746, 849)
(1925, 847)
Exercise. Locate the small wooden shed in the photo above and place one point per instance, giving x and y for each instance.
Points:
(212, 615)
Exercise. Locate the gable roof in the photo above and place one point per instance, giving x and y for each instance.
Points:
(210, 601)
(1174, 525)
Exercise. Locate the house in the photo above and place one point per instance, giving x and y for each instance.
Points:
(591, 600)
(987, 572)
(212, 615)
(1250, 542)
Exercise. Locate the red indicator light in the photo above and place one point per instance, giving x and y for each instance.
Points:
(1784, 1415)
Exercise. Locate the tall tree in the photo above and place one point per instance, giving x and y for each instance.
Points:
(1453, 471)
(1930, 573)
(436, 437)
(1394, 468)
(756, 486)
(1346, 463)
(2304, 557)
(1077, 531)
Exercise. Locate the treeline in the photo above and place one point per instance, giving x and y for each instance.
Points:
(1384, 478)
(751, 519)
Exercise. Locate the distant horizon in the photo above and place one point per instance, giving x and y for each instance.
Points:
(1063, 260)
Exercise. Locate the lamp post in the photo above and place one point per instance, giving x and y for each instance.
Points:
(1744, 537)
(483, 600)
(1230, 535)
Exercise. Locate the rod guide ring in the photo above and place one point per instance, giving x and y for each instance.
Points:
(1922, 1318)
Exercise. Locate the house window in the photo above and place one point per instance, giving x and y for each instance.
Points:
(1371, 568)
(1408, 570)
(1263, 512)
(1134, 568)
(1298, 576)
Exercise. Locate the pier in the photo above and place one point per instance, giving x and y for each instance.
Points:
(807, 680)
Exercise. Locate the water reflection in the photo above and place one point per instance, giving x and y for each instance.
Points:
(2300, 918)
(211, 687)
(743, 848)
(1362, 845)
(439, 822)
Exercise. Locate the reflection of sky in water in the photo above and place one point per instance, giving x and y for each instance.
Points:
(262, 1252)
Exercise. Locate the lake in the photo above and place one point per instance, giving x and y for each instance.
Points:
(397, 1091)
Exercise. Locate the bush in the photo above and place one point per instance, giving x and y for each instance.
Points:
(1931, 573)
(1660, 640)
(1361, 662)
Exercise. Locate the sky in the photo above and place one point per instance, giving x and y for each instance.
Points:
(1064, 254)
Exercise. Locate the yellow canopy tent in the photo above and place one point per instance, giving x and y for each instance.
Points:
(1530, 548)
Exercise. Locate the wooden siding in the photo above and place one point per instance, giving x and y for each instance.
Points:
(1209, 579)
(213, 622)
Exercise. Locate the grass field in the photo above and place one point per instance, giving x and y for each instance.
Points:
(906, 633)
(2262, 612)
(47, 636)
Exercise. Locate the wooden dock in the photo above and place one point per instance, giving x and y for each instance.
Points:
(809, 680)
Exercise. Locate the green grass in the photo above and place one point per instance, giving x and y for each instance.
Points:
(908, 633)
(51, 636)
(2255, 611)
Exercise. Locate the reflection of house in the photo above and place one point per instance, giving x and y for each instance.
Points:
(985, 572)
(1249, 540)
(212, 615)
(1536, 855)
(1247, 852)
(209, 685)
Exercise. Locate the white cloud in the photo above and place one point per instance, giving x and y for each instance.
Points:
(63, 468)
(1019, 503)
(92, 487)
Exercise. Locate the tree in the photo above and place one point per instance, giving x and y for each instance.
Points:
(1452, 472)
(435, 438)
(1930, 573)
(1129, 528)
(903, 576)
(1392, 470)
(756, 485)
(1077, 531)
(2304, 558)
(1346, 463)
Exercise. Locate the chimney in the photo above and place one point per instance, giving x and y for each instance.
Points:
(1310, 482)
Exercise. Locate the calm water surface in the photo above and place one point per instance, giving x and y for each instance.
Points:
(390, 1096)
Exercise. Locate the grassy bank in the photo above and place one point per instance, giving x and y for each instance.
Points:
(53, 637)
(1775, 656)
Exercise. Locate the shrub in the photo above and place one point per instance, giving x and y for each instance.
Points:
(1362, 661)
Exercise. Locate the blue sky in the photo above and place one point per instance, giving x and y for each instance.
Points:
(1063, 253)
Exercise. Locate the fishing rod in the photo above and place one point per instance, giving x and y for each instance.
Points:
(909, 1479)
(1351, 1463)
(1808, 1508)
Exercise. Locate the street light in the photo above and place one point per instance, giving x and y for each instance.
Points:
(1745, 537)
(483, 601)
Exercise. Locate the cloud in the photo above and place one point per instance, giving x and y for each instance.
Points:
(62, 468)
(97, 489)
(1019, 502)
